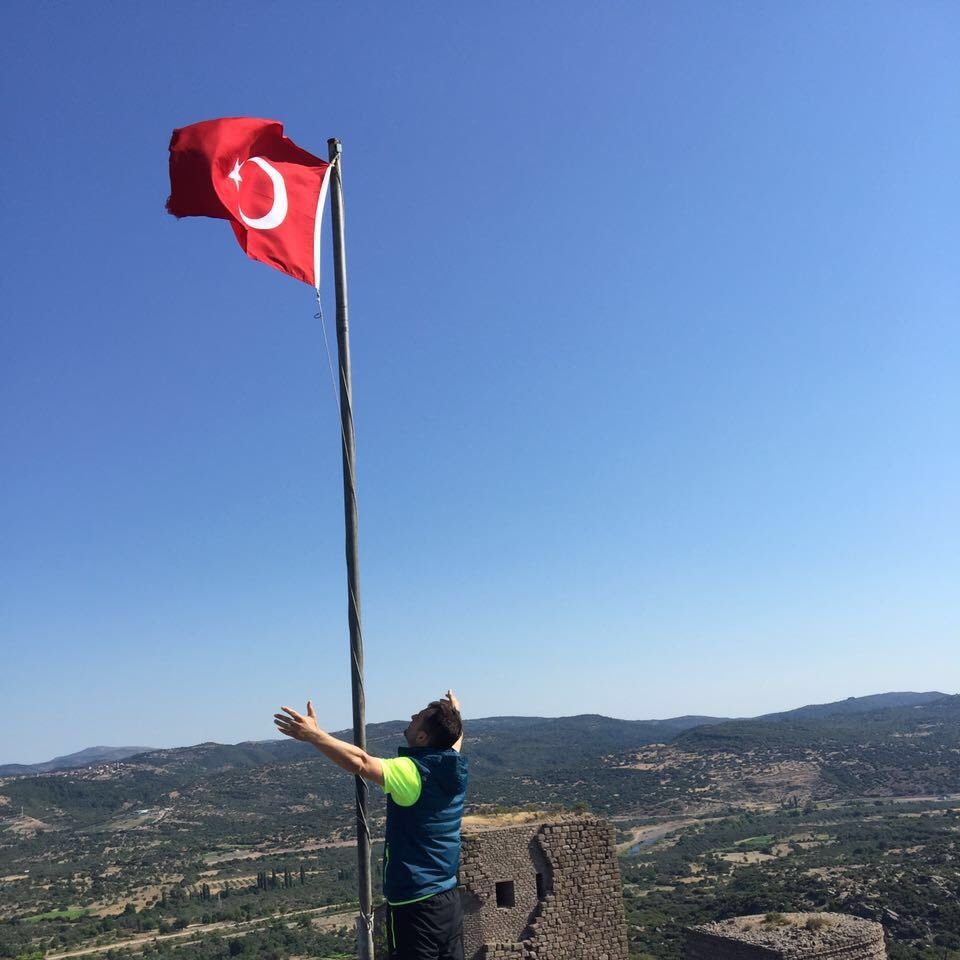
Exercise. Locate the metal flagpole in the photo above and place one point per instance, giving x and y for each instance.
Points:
(365, 921)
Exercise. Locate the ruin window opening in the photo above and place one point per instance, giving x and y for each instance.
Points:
(505, 896)
(541, 887)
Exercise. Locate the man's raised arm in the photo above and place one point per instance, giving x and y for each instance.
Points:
(456, 706)
(345, 755)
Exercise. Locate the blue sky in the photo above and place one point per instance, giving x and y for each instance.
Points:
(654, 326)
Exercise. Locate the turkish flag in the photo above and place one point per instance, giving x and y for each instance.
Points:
(246, 171)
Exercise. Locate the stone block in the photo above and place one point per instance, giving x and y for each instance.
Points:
(791, 936)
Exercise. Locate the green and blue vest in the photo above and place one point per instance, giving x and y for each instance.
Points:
(422, 851)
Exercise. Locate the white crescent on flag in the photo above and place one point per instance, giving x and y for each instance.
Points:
(278, 212)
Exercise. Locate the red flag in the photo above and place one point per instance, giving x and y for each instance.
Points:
(246, 171)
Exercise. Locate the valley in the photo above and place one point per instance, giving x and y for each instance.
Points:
(223, 851)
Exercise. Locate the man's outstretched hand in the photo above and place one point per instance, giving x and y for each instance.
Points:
(296, 725)
(345, 755)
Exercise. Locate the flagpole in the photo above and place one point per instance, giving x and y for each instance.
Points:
(365, 921)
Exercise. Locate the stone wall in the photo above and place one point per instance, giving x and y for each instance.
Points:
(797, 936)
(547, 890)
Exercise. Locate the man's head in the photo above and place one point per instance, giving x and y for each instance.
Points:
(437, 725)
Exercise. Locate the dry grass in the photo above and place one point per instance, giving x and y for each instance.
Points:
(491, 821)
(26, 825)
(747, 857)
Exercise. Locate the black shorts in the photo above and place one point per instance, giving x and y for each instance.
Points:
(430, 929)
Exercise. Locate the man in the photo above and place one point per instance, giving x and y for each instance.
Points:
(425, 786)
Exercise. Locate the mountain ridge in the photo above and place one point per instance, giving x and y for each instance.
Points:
(89, 756)
(609, 734)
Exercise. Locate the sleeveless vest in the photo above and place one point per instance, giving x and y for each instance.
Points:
(422, 851)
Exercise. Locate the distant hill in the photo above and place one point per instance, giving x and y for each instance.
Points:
(876, 701)
(512, 760)
(90, 757)
(930, 722)
(537, 743)
(853, 748)
(565, 742)
(895, 751)
(498, 741)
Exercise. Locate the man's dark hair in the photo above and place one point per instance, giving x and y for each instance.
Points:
(442, 724)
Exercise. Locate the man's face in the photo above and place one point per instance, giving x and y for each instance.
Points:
(415, 734)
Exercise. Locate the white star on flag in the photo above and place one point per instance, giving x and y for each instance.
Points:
(234, 174)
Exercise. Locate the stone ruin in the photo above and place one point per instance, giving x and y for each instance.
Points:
(548, 890)
(544, 890)
(797, 936)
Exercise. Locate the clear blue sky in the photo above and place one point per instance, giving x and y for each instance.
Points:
(655, 337)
